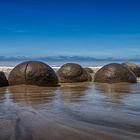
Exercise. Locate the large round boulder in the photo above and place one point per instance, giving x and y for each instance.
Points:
(114, 73)
(3, 79)
(71, 72)
(33, 73)
(133, 67)
(89, 70)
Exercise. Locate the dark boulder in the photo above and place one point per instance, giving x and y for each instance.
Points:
(71, 72)
(3, 79)
(89, 70)
(33, 73)
(133, 67)
(114, 73)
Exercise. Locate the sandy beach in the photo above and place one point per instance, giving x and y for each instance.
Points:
(70, 112)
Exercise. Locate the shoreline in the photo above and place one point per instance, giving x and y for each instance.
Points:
(7, 69)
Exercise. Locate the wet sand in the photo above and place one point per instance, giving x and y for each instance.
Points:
(82, 111)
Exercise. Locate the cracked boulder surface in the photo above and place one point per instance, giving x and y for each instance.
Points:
(72, 72)
(133, 67)
(114, 73)
(3, 79)
(33, 73)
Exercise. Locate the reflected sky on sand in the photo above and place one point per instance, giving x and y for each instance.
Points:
(76, 111)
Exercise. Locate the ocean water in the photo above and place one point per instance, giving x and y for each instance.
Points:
(82, 111)
(60, 63)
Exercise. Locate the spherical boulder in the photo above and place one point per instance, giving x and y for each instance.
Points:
(114, 73)
(133, 67)
(3, 79)
(89, 70)
(71, 72)
(33, 73)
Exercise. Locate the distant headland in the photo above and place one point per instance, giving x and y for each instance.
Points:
(69, 58)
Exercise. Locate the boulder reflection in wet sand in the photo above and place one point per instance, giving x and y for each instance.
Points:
(31, 95)
(73, 92)
(62, 119)
(2, 94)
(114, 92)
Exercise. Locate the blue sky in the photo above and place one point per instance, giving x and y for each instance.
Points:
(98, 28)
